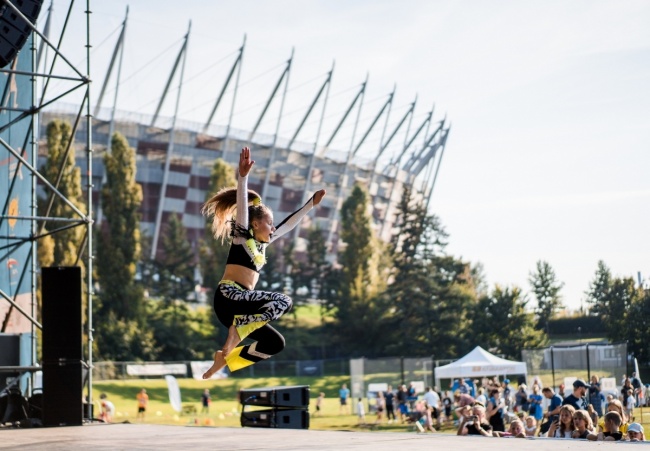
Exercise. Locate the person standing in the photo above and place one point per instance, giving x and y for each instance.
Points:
(205, 401)
(143, 402)
(246, 312)
(381, 406)
(402, 400)
(577, 398)
(344, 395)
(433, 400)
(553, 409)
(596, 396)
(389, 397)
(495, 408)
(361, 411)
(319, 404)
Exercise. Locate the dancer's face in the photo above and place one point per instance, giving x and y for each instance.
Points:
(263, 228)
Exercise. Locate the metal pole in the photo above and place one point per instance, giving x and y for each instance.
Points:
(588, 364)
(344, 179)
(170, 150)
(34, 255)
(435, 177)
(552, 366)
(89, 223)
(312, 157)
(118, 45)
(267, 178)
(111, 126)
(223, 89)
(234, 97)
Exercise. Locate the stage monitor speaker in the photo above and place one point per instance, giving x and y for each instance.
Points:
(61, 314)
(62, 393)
(285, 396)
(276, 418)
(14, 31)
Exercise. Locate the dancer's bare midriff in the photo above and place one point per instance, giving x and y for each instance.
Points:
(244, 276)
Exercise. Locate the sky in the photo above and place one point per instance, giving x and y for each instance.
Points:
(548, 158)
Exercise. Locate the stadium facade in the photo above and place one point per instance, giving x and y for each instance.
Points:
(285, 177)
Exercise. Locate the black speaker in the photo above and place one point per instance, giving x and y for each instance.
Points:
(62, 393)
(9, 356)
(14, 31)
(61, 313)
(276, 418)
(286, 396)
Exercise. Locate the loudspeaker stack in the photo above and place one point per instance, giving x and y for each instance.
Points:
(289, 407)
(62, 347)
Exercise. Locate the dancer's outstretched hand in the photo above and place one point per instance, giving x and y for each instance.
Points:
(245, 162)
(318, 196)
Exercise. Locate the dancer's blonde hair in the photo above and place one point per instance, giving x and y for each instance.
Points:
(222, 207)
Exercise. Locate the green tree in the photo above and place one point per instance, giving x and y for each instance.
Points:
(181, 333)
(213, 253)
(618, 304)
(118, 244)
(599, 289)
(121, 339)
(61, 167)
(546, 289)
(361, 279)
(638, 317)
(177, 264)
(315, 269)
(501, 324)
(429, 290)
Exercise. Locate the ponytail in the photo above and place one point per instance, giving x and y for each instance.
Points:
(221, 208)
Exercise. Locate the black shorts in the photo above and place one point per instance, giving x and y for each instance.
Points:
(141, 409)
(344, 401)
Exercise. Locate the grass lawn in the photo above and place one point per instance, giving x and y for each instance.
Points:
(225, 409)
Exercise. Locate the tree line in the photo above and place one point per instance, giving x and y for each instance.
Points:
(405, 297)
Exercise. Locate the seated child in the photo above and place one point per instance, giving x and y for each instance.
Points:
(531, 426)
(635, 433)
(613, 421)
(516, 429)
(582, 423)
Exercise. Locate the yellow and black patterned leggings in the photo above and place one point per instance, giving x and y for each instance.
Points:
(250, 311)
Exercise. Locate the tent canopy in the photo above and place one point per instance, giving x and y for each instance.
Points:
(479, 362)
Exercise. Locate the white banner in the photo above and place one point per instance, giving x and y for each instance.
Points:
(156, 369)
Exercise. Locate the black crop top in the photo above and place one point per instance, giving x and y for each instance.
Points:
(238, 255)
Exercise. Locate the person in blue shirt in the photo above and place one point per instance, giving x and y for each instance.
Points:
(596, 398)
(553, 409)
(344, 395)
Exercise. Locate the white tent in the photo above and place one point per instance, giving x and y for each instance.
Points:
(479, 362)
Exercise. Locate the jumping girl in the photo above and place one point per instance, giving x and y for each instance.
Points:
(246, 312)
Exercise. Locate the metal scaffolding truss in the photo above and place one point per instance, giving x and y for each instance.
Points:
(44, 95)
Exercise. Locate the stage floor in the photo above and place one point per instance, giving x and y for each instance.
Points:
(147, 437)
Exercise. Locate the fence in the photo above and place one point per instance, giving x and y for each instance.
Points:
(581, 361)
(265, 368)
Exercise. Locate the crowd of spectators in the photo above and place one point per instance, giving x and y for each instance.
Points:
(494, 408)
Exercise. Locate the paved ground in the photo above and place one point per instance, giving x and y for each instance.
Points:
(147, 437)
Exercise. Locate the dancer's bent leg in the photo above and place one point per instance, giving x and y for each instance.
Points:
(245, 312)
(269, 343)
